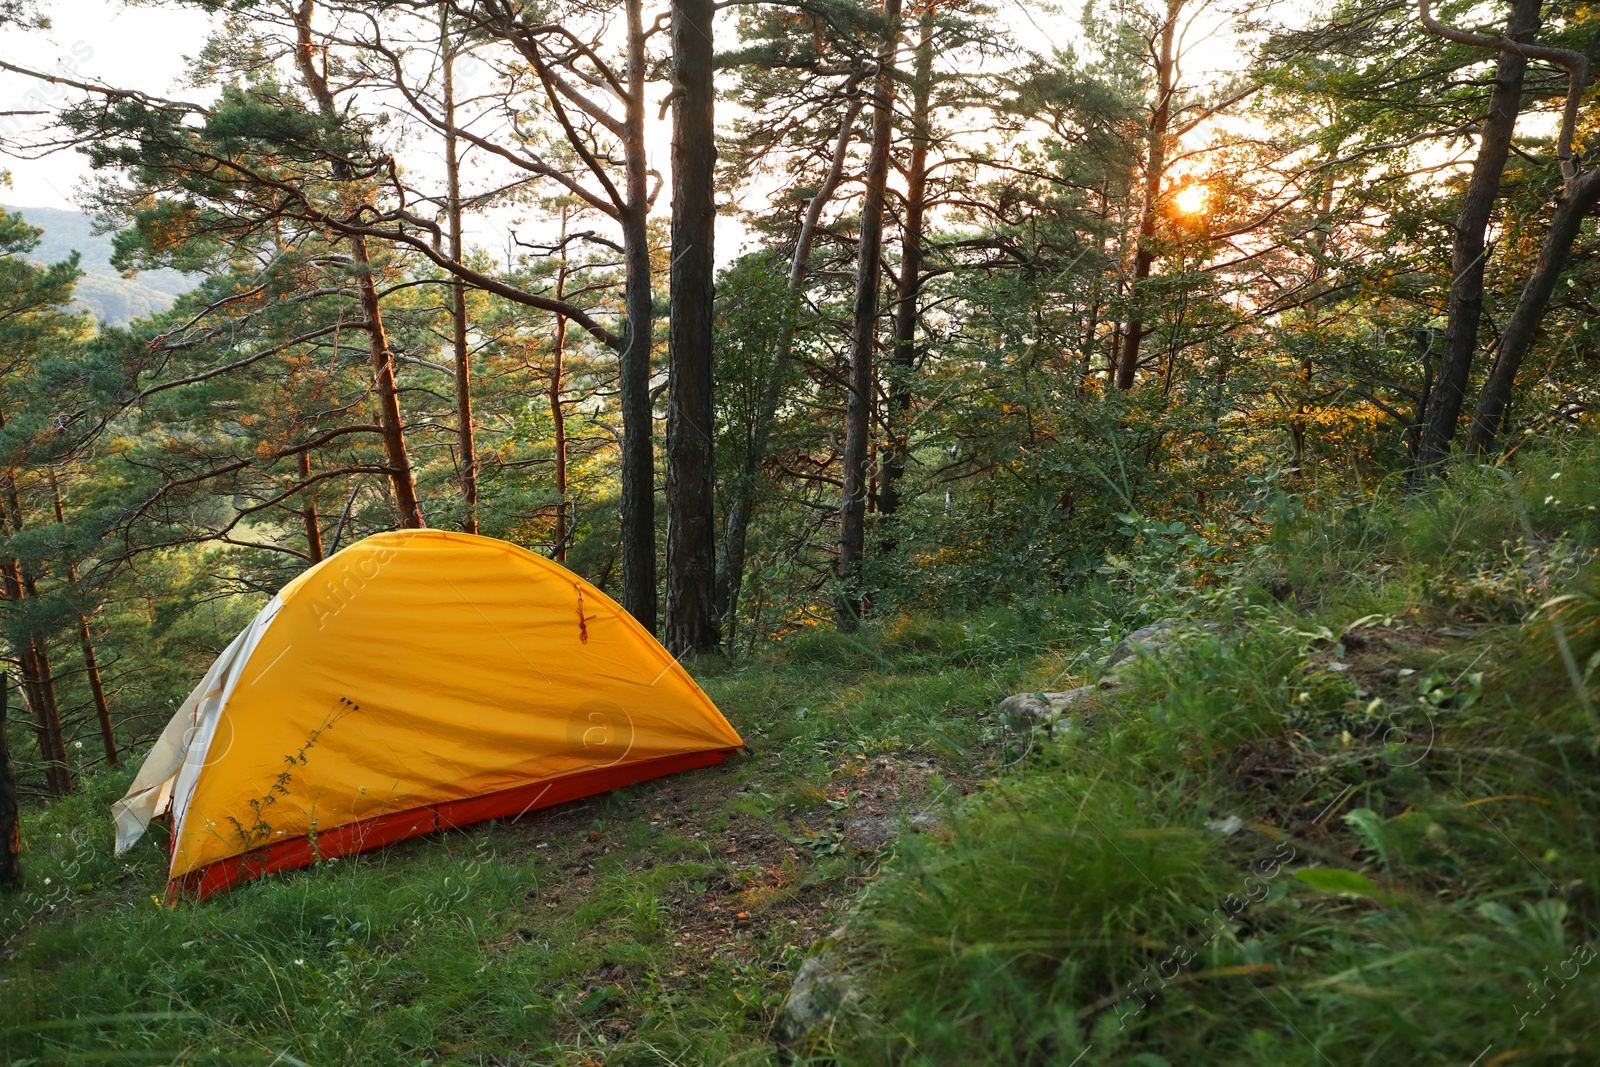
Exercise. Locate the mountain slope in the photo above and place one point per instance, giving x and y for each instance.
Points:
(103, 291)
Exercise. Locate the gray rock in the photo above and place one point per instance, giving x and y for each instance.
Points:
(823, 990)
(1225, 827)
(1156, 638)
(1041, 709)
(1026, 719)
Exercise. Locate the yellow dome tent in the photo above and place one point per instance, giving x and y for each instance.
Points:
(416, 681)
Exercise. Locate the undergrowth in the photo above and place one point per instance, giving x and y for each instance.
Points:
(1352, 822)
(1353, 825)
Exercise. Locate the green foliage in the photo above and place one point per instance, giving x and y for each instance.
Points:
(1253, 860)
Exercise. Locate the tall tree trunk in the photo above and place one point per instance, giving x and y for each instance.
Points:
(48, 737)
(736, 526)
(691, 624)
(91, 664)
(1298, 420)
(1155, 169)
(638, 430)
(1468, 249)
(858, 399)
(558, 414)
(394, 437)
(102, 711)
(389, 418)
(903, 362)
(10, 808)
(34, 657)
(308, 515)
(458, 288)
(42, 696)
(1580, 199)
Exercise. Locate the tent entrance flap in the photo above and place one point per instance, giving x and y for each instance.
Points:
(416, 680)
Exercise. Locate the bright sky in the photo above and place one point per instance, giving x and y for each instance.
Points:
(142, 46)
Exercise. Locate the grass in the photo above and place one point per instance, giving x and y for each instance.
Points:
(1287, 842)
(656, 924)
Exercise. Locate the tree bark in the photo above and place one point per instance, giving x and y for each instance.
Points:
(91, 664)
(1517, 337)
(50, 743)
(1469, 250)
(389, 417)
(1155, 168)
(10, 808)
(858, 399)
(308, 515)
(35, 658)
(394, 437)
(458, 288)
(1298, 419)
(736, 524)
(638, 429)
(558, 414)
(691, 622)
(903, 362)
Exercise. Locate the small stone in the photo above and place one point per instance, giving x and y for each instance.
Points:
(1225, 827)
(822, 990)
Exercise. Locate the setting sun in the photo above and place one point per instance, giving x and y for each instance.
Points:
(1192, 199)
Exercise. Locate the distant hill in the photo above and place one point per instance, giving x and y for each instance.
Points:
(102, 291)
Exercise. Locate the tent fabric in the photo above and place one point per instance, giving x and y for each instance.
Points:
(181, 748)
(417, 680)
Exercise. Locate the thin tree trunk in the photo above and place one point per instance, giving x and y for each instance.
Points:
(736, 528)
(902, 364)
(638, 429)
(394, 440)
(1469, 250)
(1298, 420)
(60, 777)
(51, 750)
(10, 808)
(858, 400)
(1419, 410)
(35, 658)
(91, 664)
(558, 415)
(691, 623)
(1517, 337)
(1155, 168)
(458, 288)
(308, 515)
(53, 741)
(102, 712)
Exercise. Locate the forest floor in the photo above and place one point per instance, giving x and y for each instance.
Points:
(663, 920)
(1352, 821)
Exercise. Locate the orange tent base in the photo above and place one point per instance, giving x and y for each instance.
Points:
(399, 825)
